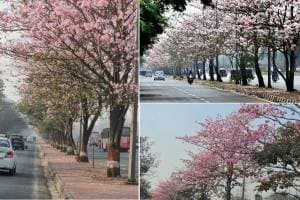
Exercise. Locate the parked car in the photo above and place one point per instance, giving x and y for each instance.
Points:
(223, 72)
(31, 139)
(7, 156)
(159, 75)
(17, 143)
(16, 136)
(3, 135)
(148, 74)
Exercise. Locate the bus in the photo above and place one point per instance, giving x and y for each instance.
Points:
(124, 142)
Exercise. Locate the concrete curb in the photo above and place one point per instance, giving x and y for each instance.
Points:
(59, 184)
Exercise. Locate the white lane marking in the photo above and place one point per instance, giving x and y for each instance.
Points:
(192, 95)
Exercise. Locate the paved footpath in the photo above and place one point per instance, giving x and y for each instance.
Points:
(82, 181)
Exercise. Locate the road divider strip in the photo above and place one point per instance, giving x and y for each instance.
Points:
(54, 177)
(251, 91)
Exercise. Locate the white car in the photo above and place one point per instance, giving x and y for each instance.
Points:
(159, 75)
(7, 156)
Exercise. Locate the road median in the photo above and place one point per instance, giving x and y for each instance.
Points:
(76, 180)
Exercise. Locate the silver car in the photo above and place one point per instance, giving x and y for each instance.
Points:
(159, 75)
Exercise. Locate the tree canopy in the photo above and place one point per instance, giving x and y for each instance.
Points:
(153, 21)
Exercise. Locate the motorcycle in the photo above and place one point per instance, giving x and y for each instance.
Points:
(190, 79)
(275, 76)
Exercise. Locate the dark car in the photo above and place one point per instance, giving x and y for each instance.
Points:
(18, 143)
(223, 72)
(16, 136)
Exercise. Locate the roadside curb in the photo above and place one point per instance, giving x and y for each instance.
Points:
(59, 184)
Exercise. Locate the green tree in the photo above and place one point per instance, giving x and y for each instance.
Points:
(147, 163)
(279, 162)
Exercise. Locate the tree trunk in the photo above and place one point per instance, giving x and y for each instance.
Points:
(229, 182)
(203, 69)
(289, 81)
(211, 69)
(113, 161)
(117, 119)
(228, 187)
(217, 69)
(243, 71)
(275, 66)
(83, 157)
(71, 143)
(87, 130)
(198, 73)
(291, 74)
(269, 68)
(260, 78)
(197, 68)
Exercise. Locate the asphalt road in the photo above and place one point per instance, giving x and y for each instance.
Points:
(175, 91)
(29, 181)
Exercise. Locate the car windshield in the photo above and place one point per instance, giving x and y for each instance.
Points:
(4, 143)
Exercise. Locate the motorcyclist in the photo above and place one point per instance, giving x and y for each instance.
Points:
(190, 77)
(275, 76)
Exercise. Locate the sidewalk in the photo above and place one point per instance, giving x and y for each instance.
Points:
(81, 181)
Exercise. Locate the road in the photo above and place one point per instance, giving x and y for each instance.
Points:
(29, 181)
(181, 92)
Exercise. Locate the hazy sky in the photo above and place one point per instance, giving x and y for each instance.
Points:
(162, 123)
(9, 74)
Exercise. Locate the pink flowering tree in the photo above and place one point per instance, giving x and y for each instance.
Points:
(226, 146)
(58, 95)
(92, 40)
(176, 187)
(192, 37)
(240, 29)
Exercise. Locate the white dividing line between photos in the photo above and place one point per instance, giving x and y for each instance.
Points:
(192, 95)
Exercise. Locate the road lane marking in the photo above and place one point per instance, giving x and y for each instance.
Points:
(192, 95)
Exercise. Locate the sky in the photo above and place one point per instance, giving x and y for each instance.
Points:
(162, 123)
(9, 73)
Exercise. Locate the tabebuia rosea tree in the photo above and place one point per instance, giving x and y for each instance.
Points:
(226, 145)
(94, 41)
(243, 30)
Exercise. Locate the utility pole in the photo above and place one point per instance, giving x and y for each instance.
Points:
(134, 125)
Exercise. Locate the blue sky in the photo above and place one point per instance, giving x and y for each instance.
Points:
(162, 123)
